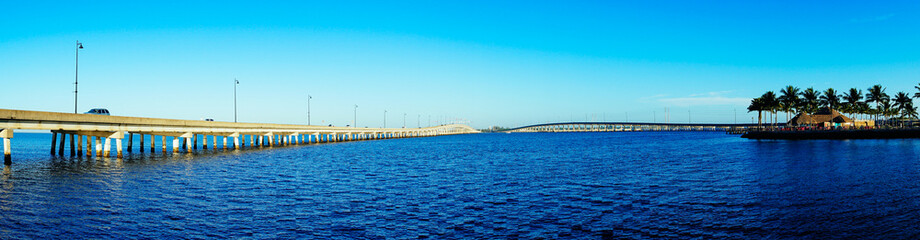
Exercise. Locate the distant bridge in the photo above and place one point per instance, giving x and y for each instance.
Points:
(99, 129)
(633, 126)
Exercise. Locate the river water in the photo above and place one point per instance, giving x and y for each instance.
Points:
(484, 186)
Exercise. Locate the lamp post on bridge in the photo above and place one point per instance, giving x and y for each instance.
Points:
(404, 120)
(384, 118)
(235, 83)
(356, 116)
(308, 108)
(76, 76)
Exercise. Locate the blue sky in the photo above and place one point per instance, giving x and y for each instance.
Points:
(490, 62)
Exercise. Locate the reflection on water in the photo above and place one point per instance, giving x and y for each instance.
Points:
(539, 185)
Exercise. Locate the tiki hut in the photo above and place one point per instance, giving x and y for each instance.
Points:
(824, 117)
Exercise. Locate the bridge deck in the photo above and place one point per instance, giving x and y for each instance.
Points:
(629, 126)
(117, 127)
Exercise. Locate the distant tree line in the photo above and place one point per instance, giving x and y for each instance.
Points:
(876, 103)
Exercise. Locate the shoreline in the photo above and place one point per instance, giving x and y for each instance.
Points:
(835, 134)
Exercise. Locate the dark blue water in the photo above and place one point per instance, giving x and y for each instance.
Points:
(486, 186)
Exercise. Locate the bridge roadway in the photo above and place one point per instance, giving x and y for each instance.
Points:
(100, 129)
(630, 126)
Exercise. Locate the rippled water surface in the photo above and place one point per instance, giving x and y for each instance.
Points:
(528, 185)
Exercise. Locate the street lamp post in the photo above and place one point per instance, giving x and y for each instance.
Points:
(356, 116)
(384, 118)
(235, 82)
(76, 75)
(308, 108)
(404, 120)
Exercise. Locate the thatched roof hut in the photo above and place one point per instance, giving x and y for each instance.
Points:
(822, 116)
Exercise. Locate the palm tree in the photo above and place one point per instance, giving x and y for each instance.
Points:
(910, 112)
(770, 103)
(830, 98)
(884, 108)
(876, 94)
(758, 105)
(809, 100)
(917, 94)
(852, 99)
(790, 99)
(902, 101)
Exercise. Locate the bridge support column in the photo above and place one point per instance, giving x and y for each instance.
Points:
(61, 144)
(236, 142)
(189, 144)
(175, 144)
(118, 147)
(89, 146)
(97, 141)
(73, 151)
(79, 145)
(214, 141)
(53, 141)
(163, 142)
(153, 143)
(252, 142)
(7, 153)
(7, 134)
(107, 147)
(141, 148)
(195, 141)
(225, 143)
(130, 142)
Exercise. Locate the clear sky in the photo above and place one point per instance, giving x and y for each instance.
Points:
(490, 62)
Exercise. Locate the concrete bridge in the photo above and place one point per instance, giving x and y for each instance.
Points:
(630, 126)
(99, 130)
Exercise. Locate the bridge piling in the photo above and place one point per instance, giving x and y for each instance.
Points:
(141, 148)
(130, 142)
(195, 141)
(89, 146)
(97, 143)
(236, 143)
(7, 153)
(118, 153)
(188, 144)
(7, 134)
(61, 144)
(73, 150)
(163, 142)
(175, 144)
(53, 141)
(225, 143)
(79, 145)
(107, 148)
(153, 143)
